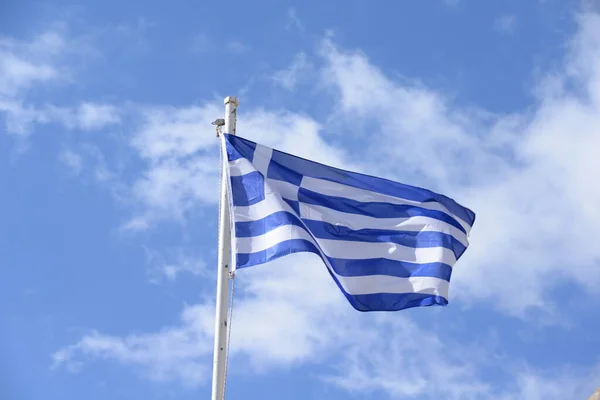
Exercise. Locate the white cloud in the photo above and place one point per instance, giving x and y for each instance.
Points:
(18, 74)
(269, 295)
(21, 118)
(135, 225)
(181, 152)
(169, 132)
(276, 325)
(293, 20)
(175, 262)
(179, 148)
(25, 63)
(172, 187)
(72, 160)
(288, 78)
(271, 327)
(409, 362)
(434, 369)
(28, 65)
(171, 354)
(516, 172)
(506, 24)
(91, 166)
(96, 116)
(302, 327)
(566, 383)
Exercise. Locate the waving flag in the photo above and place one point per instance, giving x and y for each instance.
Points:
(388, 246)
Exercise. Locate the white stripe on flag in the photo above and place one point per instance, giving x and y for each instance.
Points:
(280, 234)
(270, 205)
(262, 159)
(372, 284)
(240, 167)
(284, 189)
(351, 250)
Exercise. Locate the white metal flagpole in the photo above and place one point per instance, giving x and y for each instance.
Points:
(224, 260)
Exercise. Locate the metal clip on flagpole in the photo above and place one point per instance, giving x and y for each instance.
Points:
(224, 260)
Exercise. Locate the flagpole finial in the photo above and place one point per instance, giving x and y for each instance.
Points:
(231, 99)
(231, 104)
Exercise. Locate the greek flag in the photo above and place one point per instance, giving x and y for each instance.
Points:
(388, 246)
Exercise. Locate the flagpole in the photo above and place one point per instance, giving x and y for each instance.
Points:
(224, 259)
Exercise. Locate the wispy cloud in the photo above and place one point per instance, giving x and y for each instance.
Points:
(175, 262)
(23, 66)
(289, 77)
(172, 354)
(42, 61)
(134, 34)
(96, 116)
(200, 43)
(20, 118)
(90, 165)
(450, 372)
(72, 160)
(506, 24)
(18, 74)
(135, 224)
(24, 63)
(293, 21)
(180, 158)
(237, 47)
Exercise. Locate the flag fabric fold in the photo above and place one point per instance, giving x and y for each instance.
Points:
(388, 246)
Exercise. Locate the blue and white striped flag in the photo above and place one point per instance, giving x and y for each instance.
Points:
(388, 246)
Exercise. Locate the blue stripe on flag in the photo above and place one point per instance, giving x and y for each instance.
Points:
(394, 302)
(383, 266)
(272, 253)
(373, 209)
(294, 204)
(282, 173)
(247, 189)
(267, 224)
(238, 148)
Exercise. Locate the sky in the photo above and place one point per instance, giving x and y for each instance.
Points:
(109, 188)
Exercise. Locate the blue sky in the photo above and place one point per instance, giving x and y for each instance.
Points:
(108, 175)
